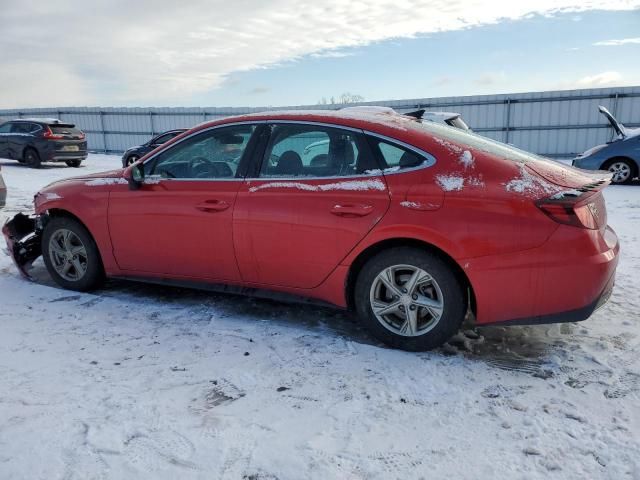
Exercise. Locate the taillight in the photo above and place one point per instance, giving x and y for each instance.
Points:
(82, 136)
(48, 134)
(576, 210)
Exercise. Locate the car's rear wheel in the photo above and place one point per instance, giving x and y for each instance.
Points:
(410, 299)
(31, 158)
(623, 170)
(131, 159)
(73, 163)
(71, 255)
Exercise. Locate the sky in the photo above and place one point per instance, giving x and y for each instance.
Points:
(290, 52)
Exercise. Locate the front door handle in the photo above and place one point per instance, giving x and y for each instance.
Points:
(211, 206)
(352, 210)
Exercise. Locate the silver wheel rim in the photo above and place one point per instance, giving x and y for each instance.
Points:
(621, 171)
(68, 255)
(406, 300)
(132, 160)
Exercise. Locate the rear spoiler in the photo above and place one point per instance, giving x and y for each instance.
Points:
(416, 114)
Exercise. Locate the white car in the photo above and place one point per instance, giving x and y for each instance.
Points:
(447, 118)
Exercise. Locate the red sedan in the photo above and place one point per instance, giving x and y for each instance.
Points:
(411, 224)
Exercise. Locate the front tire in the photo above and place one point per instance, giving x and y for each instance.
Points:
(131, 159)
(71, 255)
(623, 169)
(31, 158)
(73, 163)
(410, 299)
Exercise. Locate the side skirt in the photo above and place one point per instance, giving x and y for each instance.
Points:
(233, 290)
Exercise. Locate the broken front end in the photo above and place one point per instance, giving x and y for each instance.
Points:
(23, 235)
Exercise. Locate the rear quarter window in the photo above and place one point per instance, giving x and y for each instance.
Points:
(398, 157)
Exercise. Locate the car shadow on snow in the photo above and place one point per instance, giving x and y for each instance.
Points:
(518, 349)
(8, 163)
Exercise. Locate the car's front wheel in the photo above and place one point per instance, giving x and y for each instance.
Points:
(71, 255)
(623, 170)
(31, 158)
(131, 159)
(410, 299)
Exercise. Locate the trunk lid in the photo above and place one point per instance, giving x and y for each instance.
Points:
(565, 175)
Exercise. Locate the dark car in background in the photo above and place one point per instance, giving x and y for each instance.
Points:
(132, 155)
(3, 192)
(36, 140)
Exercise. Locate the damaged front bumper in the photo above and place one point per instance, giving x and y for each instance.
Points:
(23, 235)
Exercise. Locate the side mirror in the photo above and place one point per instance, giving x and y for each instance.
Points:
(135, 176)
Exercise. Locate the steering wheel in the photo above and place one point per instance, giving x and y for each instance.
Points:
(200, 167)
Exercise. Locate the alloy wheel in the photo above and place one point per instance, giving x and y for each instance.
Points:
(132, 159)
(621, 171)
(406, 300)
(68, 255)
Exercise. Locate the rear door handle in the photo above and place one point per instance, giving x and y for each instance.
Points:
(211, 206)
(352, 210)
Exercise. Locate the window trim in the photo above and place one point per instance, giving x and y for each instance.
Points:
(246, 161)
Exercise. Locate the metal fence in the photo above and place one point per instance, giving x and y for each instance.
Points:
(558, 124)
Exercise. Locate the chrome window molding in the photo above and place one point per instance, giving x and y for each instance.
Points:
(429, 162)
(155, 179)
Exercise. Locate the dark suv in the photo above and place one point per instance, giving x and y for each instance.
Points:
(3, 191)
(132, 155)
(36, 140)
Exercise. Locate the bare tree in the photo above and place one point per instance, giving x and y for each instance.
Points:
(344, 98)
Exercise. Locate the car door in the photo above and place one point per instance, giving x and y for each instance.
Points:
(304, 210)
(21, 135)
(5, 131)
(179, 223)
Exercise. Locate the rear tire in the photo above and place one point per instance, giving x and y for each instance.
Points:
(73, 163)
(131, 159)
(623, 169)
(410, 299)
(71, 255)
(31, 158)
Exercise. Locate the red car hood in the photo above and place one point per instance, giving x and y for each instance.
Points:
(109, 174)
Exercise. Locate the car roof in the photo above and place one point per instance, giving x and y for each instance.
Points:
(376, 120)
(48, 121)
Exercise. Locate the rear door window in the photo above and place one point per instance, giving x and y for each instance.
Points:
(22, 127)
(315, 151)
(6, 128)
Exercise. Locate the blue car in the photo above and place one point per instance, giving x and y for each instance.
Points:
(133, 154)
(621, 156)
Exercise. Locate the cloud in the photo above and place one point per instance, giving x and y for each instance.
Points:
(333, 54)
(600, 80)
(442, 81)
(491, 78)
(259, 90)
(117, 52)
(616, 43)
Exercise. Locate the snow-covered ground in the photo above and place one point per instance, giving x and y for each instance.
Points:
(137, 381)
